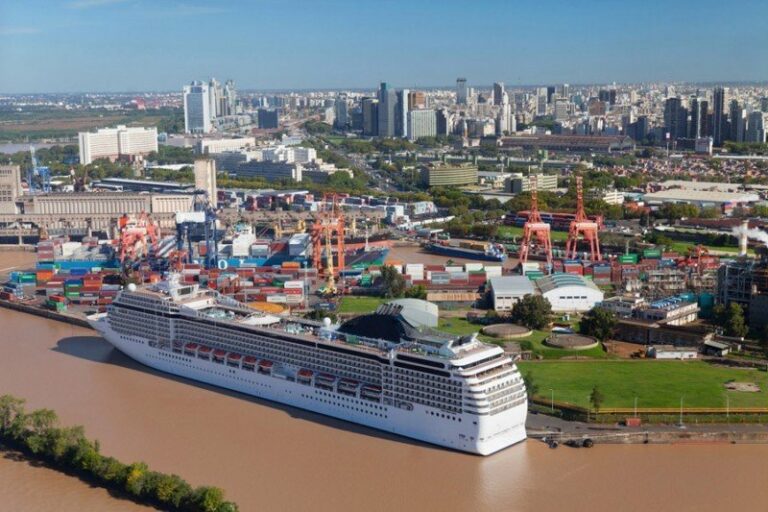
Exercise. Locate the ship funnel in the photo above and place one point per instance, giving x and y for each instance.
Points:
(743, 238)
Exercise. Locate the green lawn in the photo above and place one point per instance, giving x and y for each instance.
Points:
(682, 248)
(511, 231)
(655, 383)
(359, 304)
(537, 341)
(461, 326)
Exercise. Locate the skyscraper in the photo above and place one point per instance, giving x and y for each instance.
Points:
(550, 93)
(229, 99)
(370, 116)
(541, 101)
(698, 117)
(675, 118)
(756, 127)
(738, 120)
(197, 113)
(718, 119)
(461, 91)
(498, 93)
(214, 97)
(401, 113)
(342, 114)
(421, 123)
(387, 106)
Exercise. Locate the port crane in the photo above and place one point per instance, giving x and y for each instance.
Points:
(584, 227)
(37, 171)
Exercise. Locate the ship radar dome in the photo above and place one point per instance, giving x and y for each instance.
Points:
(131, 287)
(326, 322)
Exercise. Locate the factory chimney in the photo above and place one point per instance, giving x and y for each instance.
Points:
(743, 238)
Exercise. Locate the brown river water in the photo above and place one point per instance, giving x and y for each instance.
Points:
(271, 457)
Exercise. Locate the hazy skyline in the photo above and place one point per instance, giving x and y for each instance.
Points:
(135, 45)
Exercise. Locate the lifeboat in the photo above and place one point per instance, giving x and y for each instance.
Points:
(305, 373)
(177, 346)
(324, 381)
(190, 348)
(264, 363)
(234, 360)
(249, 362)
(371, 392)
(348, 386)
(205, 350)
(370, 388)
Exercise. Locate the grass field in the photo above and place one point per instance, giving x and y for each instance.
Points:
(462, 326)
(537, 345)
(359, 304)
(655, 383)
(682, 248)
(512, 231)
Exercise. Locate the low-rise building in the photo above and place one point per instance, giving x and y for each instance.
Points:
(506, 291)
(447, 175)
(519, 183)
(671, 352)
(569, 292)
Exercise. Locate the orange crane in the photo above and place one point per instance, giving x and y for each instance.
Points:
(136, 234)
(582, 226)
(535, 227)
(330, 222)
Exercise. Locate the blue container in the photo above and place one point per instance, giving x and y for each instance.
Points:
(78, 271)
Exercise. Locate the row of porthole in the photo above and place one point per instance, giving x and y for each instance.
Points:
(446, 416)
(345, 406)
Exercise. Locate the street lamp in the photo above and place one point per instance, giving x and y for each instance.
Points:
(681, 411)
(635, 407)
(552, 400)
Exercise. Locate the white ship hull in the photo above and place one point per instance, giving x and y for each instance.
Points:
(478, 434)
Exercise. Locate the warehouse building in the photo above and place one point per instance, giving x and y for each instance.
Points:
(701, 198)
(569, 292)
(506, 291)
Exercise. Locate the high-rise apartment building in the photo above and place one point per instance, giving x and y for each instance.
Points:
(114, 143)
(387, 108)
(738, 122)
(197, 108)
(462, 94)
(229, 99)
(541, 101)
(499, 93)
(718, 116)
(215, 93)
(422, 123)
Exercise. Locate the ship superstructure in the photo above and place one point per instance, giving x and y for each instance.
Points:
(378, 370)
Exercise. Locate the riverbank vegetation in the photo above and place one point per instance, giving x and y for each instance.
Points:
(38, 435)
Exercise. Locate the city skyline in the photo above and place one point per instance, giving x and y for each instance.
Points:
(157, 48)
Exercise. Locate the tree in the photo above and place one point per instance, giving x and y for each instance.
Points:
(417, 292)
(533, 311)
(531, 386)
(599, 322)
(731, 319)
(392, 282)
(10, 408)
(596, 398)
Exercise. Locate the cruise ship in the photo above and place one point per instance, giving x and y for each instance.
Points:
(377, 370)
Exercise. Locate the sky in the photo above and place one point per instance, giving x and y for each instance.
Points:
(160, 45)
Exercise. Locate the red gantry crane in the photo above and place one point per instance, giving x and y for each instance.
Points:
(582, 226)
(328, 224)
(535, 227)
(136, 235)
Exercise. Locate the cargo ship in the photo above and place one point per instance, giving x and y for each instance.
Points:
(378, 370)
(485, 251)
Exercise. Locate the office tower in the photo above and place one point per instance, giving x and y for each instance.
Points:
(370, 117)
(401, 113)
(229, 99)
(498, 93)
(698, 117)
(603, 95)
(612, 96)
(269, 119)
(675, 118)
(114, 143)
(205, 178)
(718, 118)
(197, 108)
(341, 112)
(641, 128)
(443, 122)
(738, 120)
(215, 93)
(462, 94)
(387, 107)
(10, 188)
(705, 119)
(564, 91)
(756, 127)
(421, 123)
(417, 100)
(550, 93)
(519, 100)
(541, 101)
(764, 104)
